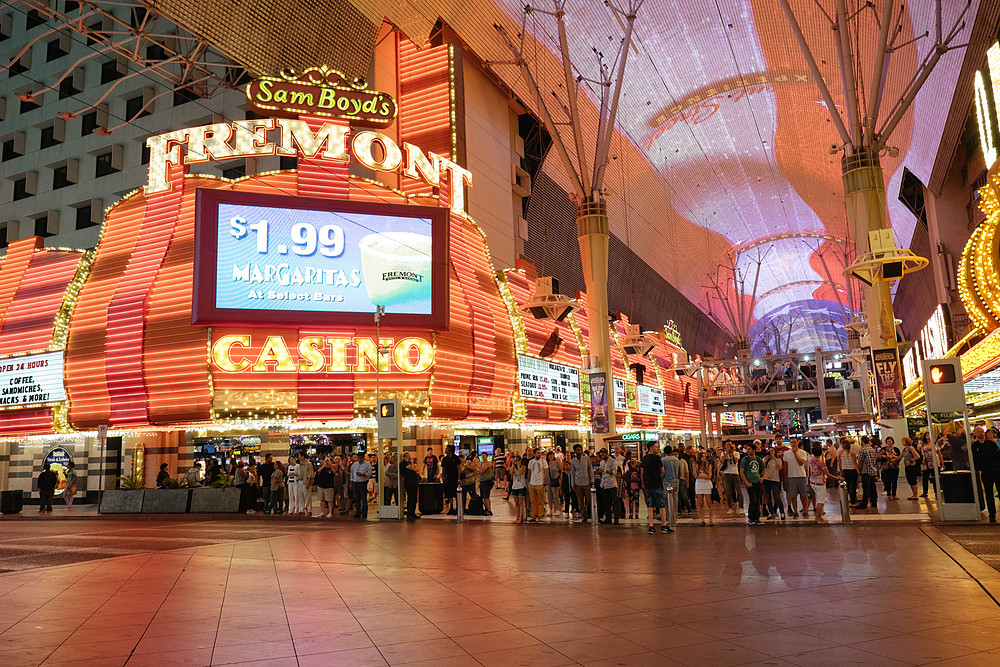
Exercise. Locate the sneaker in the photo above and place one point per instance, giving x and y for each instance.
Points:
(666, 529)
(782, 517)
(651, 531)
(729, 511)
(794, 515)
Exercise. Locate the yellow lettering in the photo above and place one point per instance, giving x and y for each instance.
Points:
(361, 148)
(327, 98)
(401, 354)
(274, 352)
(222, 353)
(419, 167)
(250, 138)
(265, 90)
(367, 355)
(458, 178)
(332, 136)
(311, 359)
(338, 355)
(209, 142)
(300, 98)
(164, 150)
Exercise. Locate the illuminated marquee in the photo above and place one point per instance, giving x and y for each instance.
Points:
(332, 141)
(321, 354)
(985, 119)
(321, 91)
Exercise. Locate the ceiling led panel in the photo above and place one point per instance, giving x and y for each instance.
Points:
(725, 134)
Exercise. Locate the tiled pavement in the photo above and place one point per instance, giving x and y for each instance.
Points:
(442, 594)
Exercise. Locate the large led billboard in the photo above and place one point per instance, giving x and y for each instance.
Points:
(265, 258)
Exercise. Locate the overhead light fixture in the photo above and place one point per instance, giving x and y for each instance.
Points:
(636, 342)
(546, 303)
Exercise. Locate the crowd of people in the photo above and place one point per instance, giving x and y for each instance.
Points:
(761, 482)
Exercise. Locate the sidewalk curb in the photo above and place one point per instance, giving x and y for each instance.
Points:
(985, 576)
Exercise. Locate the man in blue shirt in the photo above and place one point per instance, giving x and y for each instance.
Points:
(361, 472)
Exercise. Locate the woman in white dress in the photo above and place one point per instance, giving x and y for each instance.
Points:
(296, 487)
(704, 473)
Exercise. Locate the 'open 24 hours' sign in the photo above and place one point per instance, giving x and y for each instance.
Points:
(35, 379)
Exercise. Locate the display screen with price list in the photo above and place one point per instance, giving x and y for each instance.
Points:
(548, 381)
(275, 258)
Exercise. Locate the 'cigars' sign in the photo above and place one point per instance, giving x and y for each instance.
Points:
(323, 92)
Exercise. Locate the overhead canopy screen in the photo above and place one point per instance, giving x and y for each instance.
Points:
(718, 103)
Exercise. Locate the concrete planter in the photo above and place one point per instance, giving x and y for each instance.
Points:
(215, 501)
(119, 501)
(166, 501)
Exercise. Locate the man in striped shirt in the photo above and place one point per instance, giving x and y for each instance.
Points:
(868, 467)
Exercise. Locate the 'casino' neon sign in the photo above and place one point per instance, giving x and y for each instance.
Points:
(332, 141)
(321, 354)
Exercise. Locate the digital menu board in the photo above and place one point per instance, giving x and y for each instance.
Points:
(548, 381)
(620, 400)
(34, 379)
(650, 400)
(262, 257)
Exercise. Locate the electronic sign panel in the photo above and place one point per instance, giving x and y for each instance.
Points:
(292, 259)
(650, 400)
(545, 380)
(34, 379)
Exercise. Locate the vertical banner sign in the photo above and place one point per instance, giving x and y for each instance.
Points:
(889, 383)
(599, 402)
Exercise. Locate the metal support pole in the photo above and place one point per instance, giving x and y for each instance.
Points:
(593, 506)
(460, 499)
(821, 382)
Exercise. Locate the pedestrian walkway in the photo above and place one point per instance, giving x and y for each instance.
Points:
(434, 593)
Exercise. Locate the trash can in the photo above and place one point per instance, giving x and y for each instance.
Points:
(845, 504)
(11, 502)
(430, 497)
(956, 487)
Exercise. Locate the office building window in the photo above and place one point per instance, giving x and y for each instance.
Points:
(183, 96)
(33, 19)
(110, 72)
(105, 165)
(21, 189)
(60, 177)
(54, 50)
(48, 137)
(67, 89)
(19, 66)
(42, 227)
(133, 108)
(156, 52)
(71, 6)
(9, 151)
(4, 227)
(97, 33)
(27, 106)
(88, 123)
(84, 217)
(144, 159)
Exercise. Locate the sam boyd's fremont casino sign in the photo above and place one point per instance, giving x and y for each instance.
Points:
(291, 137)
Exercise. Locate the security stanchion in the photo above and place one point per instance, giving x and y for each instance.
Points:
(460, 499)
(845, 506)
(593, 506)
